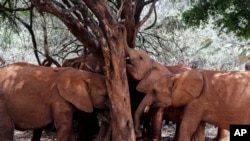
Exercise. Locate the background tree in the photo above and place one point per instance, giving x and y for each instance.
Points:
(171, 41)
(229, 15)
(18, 16)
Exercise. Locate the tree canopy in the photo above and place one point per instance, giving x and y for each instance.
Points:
(228, 15)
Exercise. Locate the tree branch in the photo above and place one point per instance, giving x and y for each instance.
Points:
(4, 9)
(152, 7)
(76, 27)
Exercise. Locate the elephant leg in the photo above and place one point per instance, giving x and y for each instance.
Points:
(37, 133)
(199, 134)
(63, 117)
(191, 120)
(222, 135)
(146, 124)
(157, 118)
(177, 132)
(88, 126)
(6, 124)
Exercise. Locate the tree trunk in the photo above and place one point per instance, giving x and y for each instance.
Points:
(117, 85)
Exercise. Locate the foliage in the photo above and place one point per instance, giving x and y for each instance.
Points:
(228, 15)
(170, 41)
(20, 23)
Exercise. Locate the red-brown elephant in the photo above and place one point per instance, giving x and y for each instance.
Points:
(88, 123)
(217, 97)
(33, 96)
(142, 68)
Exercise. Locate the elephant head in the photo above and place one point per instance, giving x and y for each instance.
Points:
(141, 67)
(171, 90)
(85, 90)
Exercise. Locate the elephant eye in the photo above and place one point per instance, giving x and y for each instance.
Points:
(140, 58)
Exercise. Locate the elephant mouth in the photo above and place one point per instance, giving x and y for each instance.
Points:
(131, 72)
(158, 105)
(128, 61)
(131, 68)
(163, 105)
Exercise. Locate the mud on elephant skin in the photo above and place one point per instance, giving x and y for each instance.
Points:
(33, 96)
(214, 92)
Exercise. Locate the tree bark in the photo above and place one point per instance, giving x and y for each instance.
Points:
(117, 85)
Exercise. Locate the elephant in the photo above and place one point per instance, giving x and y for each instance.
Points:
(213, 92)
(146, 71)
(142, 68)
(88, 124)
(32, 96)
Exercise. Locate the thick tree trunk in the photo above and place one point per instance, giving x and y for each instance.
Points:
(117, 85)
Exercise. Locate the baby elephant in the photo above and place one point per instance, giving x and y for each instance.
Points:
(220, 98)
(32, 96)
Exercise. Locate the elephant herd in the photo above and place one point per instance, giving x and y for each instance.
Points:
(32, 97)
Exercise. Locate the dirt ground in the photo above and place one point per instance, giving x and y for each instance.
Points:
(167, 134)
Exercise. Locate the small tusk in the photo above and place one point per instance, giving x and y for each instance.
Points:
(127, 58)
(146, 109)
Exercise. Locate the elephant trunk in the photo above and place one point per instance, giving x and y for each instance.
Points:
(127, 50)
(144, 105)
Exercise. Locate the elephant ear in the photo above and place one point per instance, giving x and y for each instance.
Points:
(75, 90)
(154, 74)
(186, 87)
